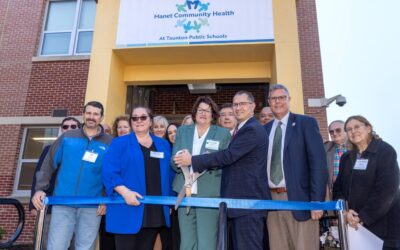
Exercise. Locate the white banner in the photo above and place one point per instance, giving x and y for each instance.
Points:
(175, 22)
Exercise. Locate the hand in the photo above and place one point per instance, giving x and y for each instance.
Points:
(130, 197)
(183, 159)
(352, 218)
(101, 210)
(316, 214)
(37, 199)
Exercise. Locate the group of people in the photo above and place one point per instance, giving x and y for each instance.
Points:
(227, 153)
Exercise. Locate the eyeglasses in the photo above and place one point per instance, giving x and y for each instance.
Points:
(203, 111)
(240, 104)
(355, 128)
(226, 114)
(73, 126)
(278, 98)
(137, 118)
(338, 131)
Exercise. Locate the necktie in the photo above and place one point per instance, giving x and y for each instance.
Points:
(235, 131)
(276, 163)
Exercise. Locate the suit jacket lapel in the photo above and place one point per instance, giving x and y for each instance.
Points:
(189, 139)
(290, 126)
(137, 157)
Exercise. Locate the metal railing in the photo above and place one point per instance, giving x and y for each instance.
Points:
(21, 221)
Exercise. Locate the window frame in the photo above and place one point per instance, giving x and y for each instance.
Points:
(25, 193)
(73, 42)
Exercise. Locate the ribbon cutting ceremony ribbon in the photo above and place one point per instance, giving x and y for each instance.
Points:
(200, 202)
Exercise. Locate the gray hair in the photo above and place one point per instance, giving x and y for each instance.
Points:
(336, 121)
(160, 120)
(277, 86)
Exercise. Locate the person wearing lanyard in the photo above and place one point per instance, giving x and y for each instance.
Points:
(136, 165)
(198, 228)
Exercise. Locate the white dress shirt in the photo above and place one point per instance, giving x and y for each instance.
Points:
(196, 150)
(271, 142)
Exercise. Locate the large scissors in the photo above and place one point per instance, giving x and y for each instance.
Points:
(187, 186)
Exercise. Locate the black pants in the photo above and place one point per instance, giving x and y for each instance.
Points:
(107, 240)
(143, 240)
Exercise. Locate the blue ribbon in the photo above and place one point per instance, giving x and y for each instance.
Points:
(201, 202)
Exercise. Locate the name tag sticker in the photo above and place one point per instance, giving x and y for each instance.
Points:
(158, 155)
(211, 144)
(90, 156)
(361, 164)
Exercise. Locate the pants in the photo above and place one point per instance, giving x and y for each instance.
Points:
(198, 229)
(143, 240)
(248, 232)
(286, 233)
(66, 221)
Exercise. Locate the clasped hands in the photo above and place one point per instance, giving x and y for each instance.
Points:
(183, 158)
(352, 219)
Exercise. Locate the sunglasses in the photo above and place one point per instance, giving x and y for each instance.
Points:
(69, 126)
(338, 131)
(137, 118)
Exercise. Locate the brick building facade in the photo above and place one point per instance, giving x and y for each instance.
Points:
(32, 86)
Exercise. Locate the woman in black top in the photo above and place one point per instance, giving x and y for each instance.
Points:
(369, 181)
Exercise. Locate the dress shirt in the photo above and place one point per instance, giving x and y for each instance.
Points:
(197, 144)
(284, 122)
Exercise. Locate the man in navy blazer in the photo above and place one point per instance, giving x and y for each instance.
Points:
(299, 173)
(244, 174)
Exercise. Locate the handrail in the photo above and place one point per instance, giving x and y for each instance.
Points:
(21, 220)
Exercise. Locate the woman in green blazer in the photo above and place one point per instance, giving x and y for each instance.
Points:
(198, 228)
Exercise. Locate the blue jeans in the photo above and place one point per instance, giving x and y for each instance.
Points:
(65, 221)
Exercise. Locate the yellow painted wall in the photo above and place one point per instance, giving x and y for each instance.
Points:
(110, 72)
(286, 61)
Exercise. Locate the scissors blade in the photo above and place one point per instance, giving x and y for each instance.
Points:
(181, 195)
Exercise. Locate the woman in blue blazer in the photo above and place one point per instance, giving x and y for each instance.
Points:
(135, 165)
(199, 227)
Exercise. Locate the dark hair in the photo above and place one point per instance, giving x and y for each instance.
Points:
(169, 125)
(70, 118)
(115, 124)
(247, 93)
(363, 120)
(207, 100)
(148, 111)
(225, 105)
(95, 104)
(277, 86)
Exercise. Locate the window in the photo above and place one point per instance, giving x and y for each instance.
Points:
(68, 28)
(33, 142)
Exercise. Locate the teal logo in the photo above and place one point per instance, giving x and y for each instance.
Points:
(192, 15)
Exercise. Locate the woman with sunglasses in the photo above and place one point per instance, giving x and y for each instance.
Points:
(198, 227)
(369, 181)
(137, 165)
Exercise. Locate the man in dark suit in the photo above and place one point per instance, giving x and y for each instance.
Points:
(244, 175)
(296, 172)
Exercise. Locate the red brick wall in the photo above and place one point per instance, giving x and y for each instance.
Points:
(310, 57)
(20, 24)
(57, 85)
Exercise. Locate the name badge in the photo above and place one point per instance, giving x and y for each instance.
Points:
(361, 164)
(158, 155)
(211, 144)
(90, 156)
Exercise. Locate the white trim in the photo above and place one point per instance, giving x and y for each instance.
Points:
(46, 58)
(33, 120)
